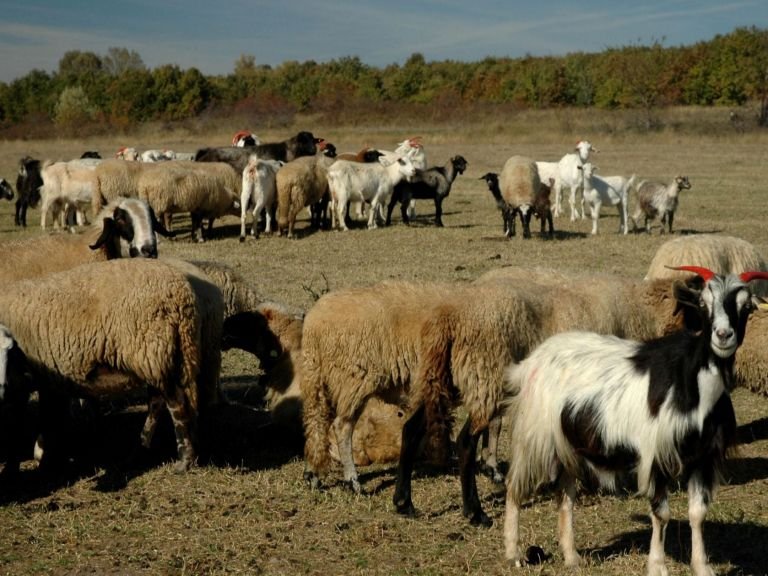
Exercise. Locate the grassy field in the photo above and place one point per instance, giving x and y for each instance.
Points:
(249, 512)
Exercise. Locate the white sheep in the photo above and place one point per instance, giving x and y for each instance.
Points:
(600, 407)
(610, 190)
(370, 182)
(721, 254)
(569, 176)
(163, 335)
(67, 185)
(301, 183)
(657, 199)
(518, 183)
(259, 192)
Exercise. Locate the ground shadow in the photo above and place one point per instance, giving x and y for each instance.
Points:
(752, 431)
(558, 235)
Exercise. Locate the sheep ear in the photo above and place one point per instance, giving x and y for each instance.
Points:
(108, 233)
(158, 227)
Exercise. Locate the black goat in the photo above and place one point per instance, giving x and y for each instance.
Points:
(434, 183)
(28, 183)
(303, 144)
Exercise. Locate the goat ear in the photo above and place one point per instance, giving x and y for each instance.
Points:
(108, 233)
(158, 227)
(688, 297)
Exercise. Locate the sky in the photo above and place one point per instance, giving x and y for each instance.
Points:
(212, 35)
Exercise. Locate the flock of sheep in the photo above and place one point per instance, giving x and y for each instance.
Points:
(597, 374)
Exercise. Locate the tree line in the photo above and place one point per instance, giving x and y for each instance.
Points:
(117, 90)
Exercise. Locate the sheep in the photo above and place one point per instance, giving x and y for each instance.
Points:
(155, 155)
(259, 190)
(303, 144)
(127, 220)
(115, 179)
(142, 324)
(519, 182)
(363, 155)
(6, 191)
(371, 183)
(302, 182)
(433, 183)
(93, 154)
(723, 254)
(28, 183)
(541, 206)
(67, 185)
(613, 190)
(656, 198)
(569, 176)
(602, 406)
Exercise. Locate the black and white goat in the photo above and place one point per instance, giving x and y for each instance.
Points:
(6, 191)
(602, 406)
(28, 184)
(433, 183)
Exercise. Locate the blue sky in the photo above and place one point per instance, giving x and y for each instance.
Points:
(211, 35)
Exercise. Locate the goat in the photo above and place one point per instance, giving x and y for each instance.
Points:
(6, 191)
(432, 183)
(303, 144)
(654, 198)
(603, 406)
(613, 190)
(569, 175)
(28, 184)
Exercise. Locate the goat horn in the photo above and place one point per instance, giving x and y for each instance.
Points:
(705, 273)
(749, 276)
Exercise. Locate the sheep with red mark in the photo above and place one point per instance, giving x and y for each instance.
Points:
(601, 406)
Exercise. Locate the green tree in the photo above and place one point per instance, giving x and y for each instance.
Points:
(74, 113)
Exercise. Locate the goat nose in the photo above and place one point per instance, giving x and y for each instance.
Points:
(724, 333)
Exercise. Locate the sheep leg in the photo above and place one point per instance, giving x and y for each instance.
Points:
(197, 228)
(466, 444)
(413, 430)
(256, 216)
(344, 428)
(525, 217)
(11, 423)
(439, 211)
(155, 406)
(670, 217)
(183, 419)
(659, 522)
(490, 465)
(699, 496)
(53, 429)
(566, 499)
(510, 215)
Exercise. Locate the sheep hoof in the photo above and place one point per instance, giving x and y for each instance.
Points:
(493, 472)
(312, 479)
(242, 239)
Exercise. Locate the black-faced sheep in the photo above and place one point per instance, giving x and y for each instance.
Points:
(6, 190)
(519, 182)
(656, 199)
(28, 184)
(113, 327)
(303, 144)
(599, 406)
(433, 183)
(541, 205)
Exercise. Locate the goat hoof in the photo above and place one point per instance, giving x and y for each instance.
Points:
(405, 508)
(481, 519)
(354, 485)
(242, 239)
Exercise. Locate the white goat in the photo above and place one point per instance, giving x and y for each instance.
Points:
(611, 190)
(601, 406)
(371, 182)
(67, 186)
(414, 149)
(569, 176)
(155, 155)
(259, 192)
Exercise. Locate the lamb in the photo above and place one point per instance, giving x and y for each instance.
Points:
(163, 335)
(612, 190)
(656, 198)
(577, 413)
(259, 190)
(6, 191)
(28, 183)
(300, 183)
(518, 183)
(569, 176)
(127, 220)
(371, 183)
(722, 254)
(303, 144)
(434, 183)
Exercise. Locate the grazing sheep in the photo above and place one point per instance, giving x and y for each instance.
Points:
(569, 176)
(117, 179)
(6, 190)
(373, 183)
(600, 407)
(125, 220)
(612, 190)
(143, 323)
(434, 183)
(28, 183)
(300, 183)
(655, 198)
(722, 254)
(259, 192)
(519, 182)
(303, 144)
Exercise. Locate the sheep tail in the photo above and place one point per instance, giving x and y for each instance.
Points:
(188, 356)
(284, 205)
(437, 388)
(317, 414)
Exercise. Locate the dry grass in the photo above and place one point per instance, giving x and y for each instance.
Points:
(250, 512)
